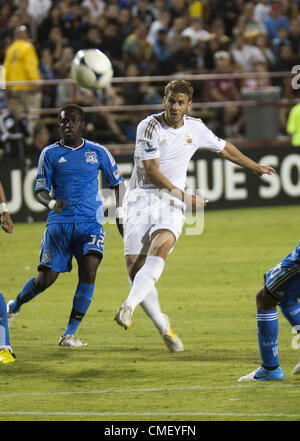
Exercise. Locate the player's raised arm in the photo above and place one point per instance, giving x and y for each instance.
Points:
(233, 154)
(6, 221)
(157, 178)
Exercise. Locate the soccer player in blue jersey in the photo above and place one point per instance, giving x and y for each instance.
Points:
(281, 287)
(70, 167)
(6, 353)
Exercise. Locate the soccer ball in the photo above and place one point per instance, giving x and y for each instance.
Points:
(91, 69)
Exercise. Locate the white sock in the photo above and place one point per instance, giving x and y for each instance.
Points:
(145, 280)
(151, 306)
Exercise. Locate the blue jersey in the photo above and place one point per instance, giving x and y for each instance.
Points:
(72, 175)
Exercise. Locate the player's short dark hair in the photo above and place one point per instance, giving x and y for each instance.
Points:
(180, 86)
(74, 107)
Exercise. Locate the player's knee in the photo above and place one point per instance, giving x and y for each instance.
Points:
(264, 300)
(88, 266)
(45, 279)
(162, 243)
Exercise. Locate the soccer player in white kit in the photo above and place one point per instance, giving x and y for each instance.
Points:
(155, 200)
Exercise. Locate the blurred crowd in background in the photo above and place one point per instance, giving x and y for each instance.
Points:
(141, 38)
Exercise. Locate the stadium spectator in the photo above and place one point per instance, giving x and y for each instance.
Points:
(21, 64)
(6, 353)
(7, 32)
(55, 43)
(196, 32)
(274, 20)
(228, 11)
(245, 54)
(163, 21)
(199, 52)
(261, 41)
(261, 10)
(157, 7)
(218, 33)
(162, 53)
(50, 23)
(112, 44)
(37, 11)
(125, 26)
(184, 60)
(281, 39)
(144, 11)
(74, 24)
(285, 63)
(294, 36)
(252, 26)
(138, 92)
(258, 82)
(41, 138)
(47, 72)
(6, 11)
(200, 9)
(15, 130)
(92, 9)
(178, 8)
(92, 39)
(74, 224)
(63, 65)
(138, 49)
(174, 34)
(226, 89)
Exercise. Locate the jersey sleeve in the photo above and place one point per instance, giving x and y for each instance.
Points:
(208, 140)
(43, 180)
(110, 169)
(146, 144)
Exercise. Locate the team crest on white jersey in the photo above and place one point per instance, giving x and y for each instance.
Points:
(189, 138)
(91, 157)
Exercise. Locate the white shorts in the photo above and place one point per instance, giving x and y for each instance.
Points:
(146, 211)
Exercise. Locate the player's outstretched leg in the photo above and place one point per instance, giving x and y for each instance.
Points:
(267, 325)
(28, 292)
(161, 321)
(291, 310)
(33, 287)
(6, 353)
(143, 283)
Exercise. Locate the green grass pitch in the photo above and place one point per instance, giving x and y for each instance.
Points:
(208, 290)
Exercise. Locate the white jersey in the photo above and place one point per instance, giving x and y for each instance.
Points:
(173, 147)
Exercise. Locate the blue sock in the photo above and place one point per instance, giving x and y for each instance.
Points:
(81, 302)
(29, 291)
(4, 333)
(291, 310)
(267, 324)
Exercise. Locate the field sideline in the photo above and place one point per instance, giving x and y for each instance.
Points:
(208, 290)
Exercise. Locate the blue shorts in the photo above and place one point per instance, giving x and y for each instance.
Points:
(283, 282)
(61, 242)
